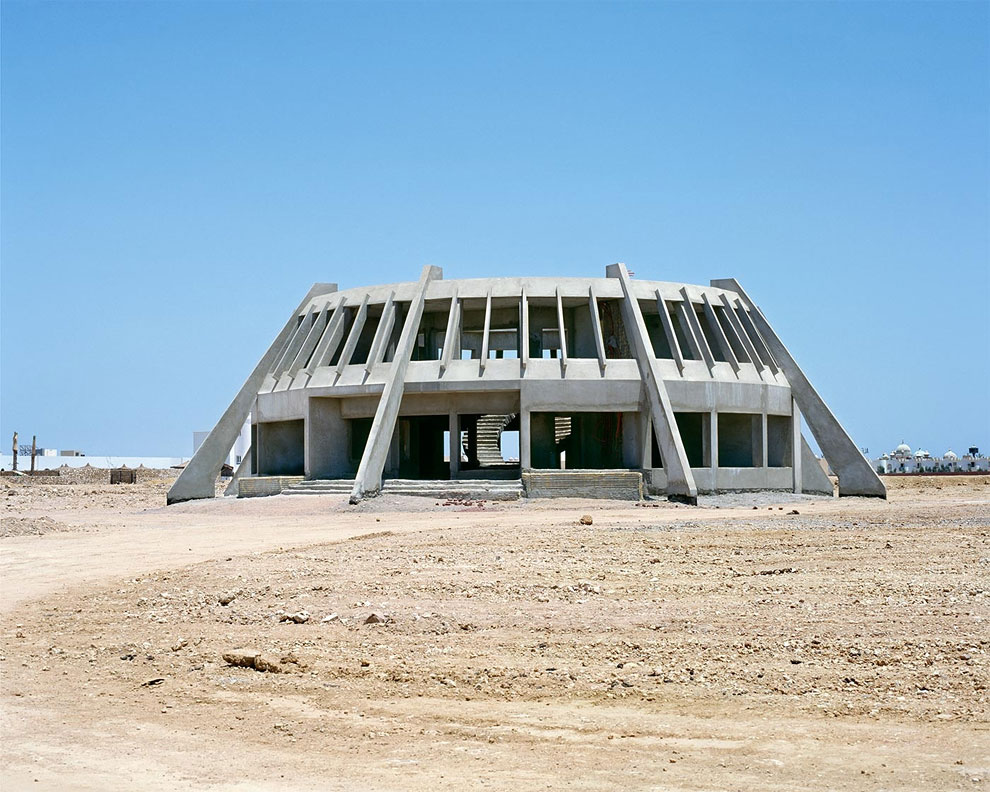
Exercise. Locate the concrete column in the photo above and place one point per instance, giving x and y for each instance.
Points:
(198, 478)
(766, 450)
(645, 428)
(856, 474)
(525, 441)
(454, 428)
(713, 447)
(369, 475)
(680, 480)
(796, 444)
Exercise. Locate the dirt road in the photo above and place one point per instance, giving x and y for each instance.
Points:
(409, 645)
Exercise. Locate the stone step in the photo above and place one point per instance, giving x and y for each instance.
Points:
(474, 489)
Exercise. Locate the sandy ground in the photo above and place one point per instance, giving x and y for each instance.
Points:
(409, 645)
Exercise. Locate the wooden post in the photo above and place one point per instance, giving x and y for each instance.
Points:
(34, 450)
(14, 449)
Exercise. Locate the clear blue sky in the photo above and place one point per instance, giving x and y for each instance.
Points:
(176, 175)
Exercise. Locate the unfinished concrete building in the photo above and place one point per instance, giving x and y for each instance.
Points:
(607, 386)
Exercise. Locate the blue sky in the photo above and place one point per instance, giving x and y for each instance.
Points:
(176, 175)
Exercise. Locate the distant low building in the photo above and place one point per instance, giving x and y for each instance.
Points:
(903, 460)
(240, 448)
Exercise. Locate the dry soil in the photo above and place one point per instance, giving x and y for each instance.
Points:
(768, 641)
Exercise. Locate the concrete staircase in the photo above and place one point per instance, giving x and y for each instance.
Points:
(490, 438)
(473, 489)
(321, 487)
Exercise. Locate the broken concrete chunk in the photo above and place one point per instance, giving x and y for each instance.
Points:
(240, 657)
(246, 658)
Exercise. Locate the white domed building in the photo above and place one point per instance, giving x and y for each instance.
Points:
(903, 460)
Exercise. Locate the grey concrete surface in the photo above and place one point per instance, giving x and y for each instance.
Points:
(856, 474)
(626, 361)
(369, 473)
(198, 479)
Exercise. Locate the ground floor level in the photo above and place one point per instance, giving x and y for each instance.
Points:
(497, 435)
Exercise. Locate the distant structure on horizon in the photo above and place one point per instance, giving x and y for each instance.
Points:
(613, 385)
(903, 460)
(238, 451)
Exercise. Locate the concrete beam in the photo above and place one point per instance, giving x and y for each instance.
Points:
(560, 329)
(330, 338)
(720, 337)
(856, 475)
(683, 311)
(680, 480)
(596, 327)
(699, 334)
(198, 479)
(486, 332)
(754, 335)
(311, 340)
(741, 335)
(352, 338)
(385, 325)
(449, 340)
(668, 330)
(368, 480)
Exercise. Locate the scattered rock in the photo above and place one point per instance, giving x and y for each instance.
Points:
(298, 618)
(375, 618)
(267, 664)
(227, 597)
(246, 658)
(793, 511)
(331, 618)
(153, 682)
(586, 519)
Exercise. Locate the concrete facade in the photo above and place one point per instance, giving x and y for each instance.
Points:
(686, 385)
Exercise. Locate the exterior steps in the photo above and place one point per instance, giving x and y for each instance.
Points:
(321, 487)
(441, 489)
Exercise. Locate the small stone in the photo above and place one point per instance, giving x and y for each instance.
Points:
(267, 664)
(241, 658)
(374, 618)
(299, 618)
(586, 519)
(227, 597)
(331, 618)
(793, 511)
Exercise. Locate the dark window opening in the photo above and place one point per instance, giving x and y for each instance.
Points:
(739, 439)
(692, 428)
(779, 441)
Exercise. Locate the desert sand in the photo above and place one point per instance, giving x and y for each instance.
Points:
(765, 641)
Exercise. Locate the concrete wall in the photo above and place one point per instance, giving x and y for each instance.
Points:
(327, 441)
(281, 448)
